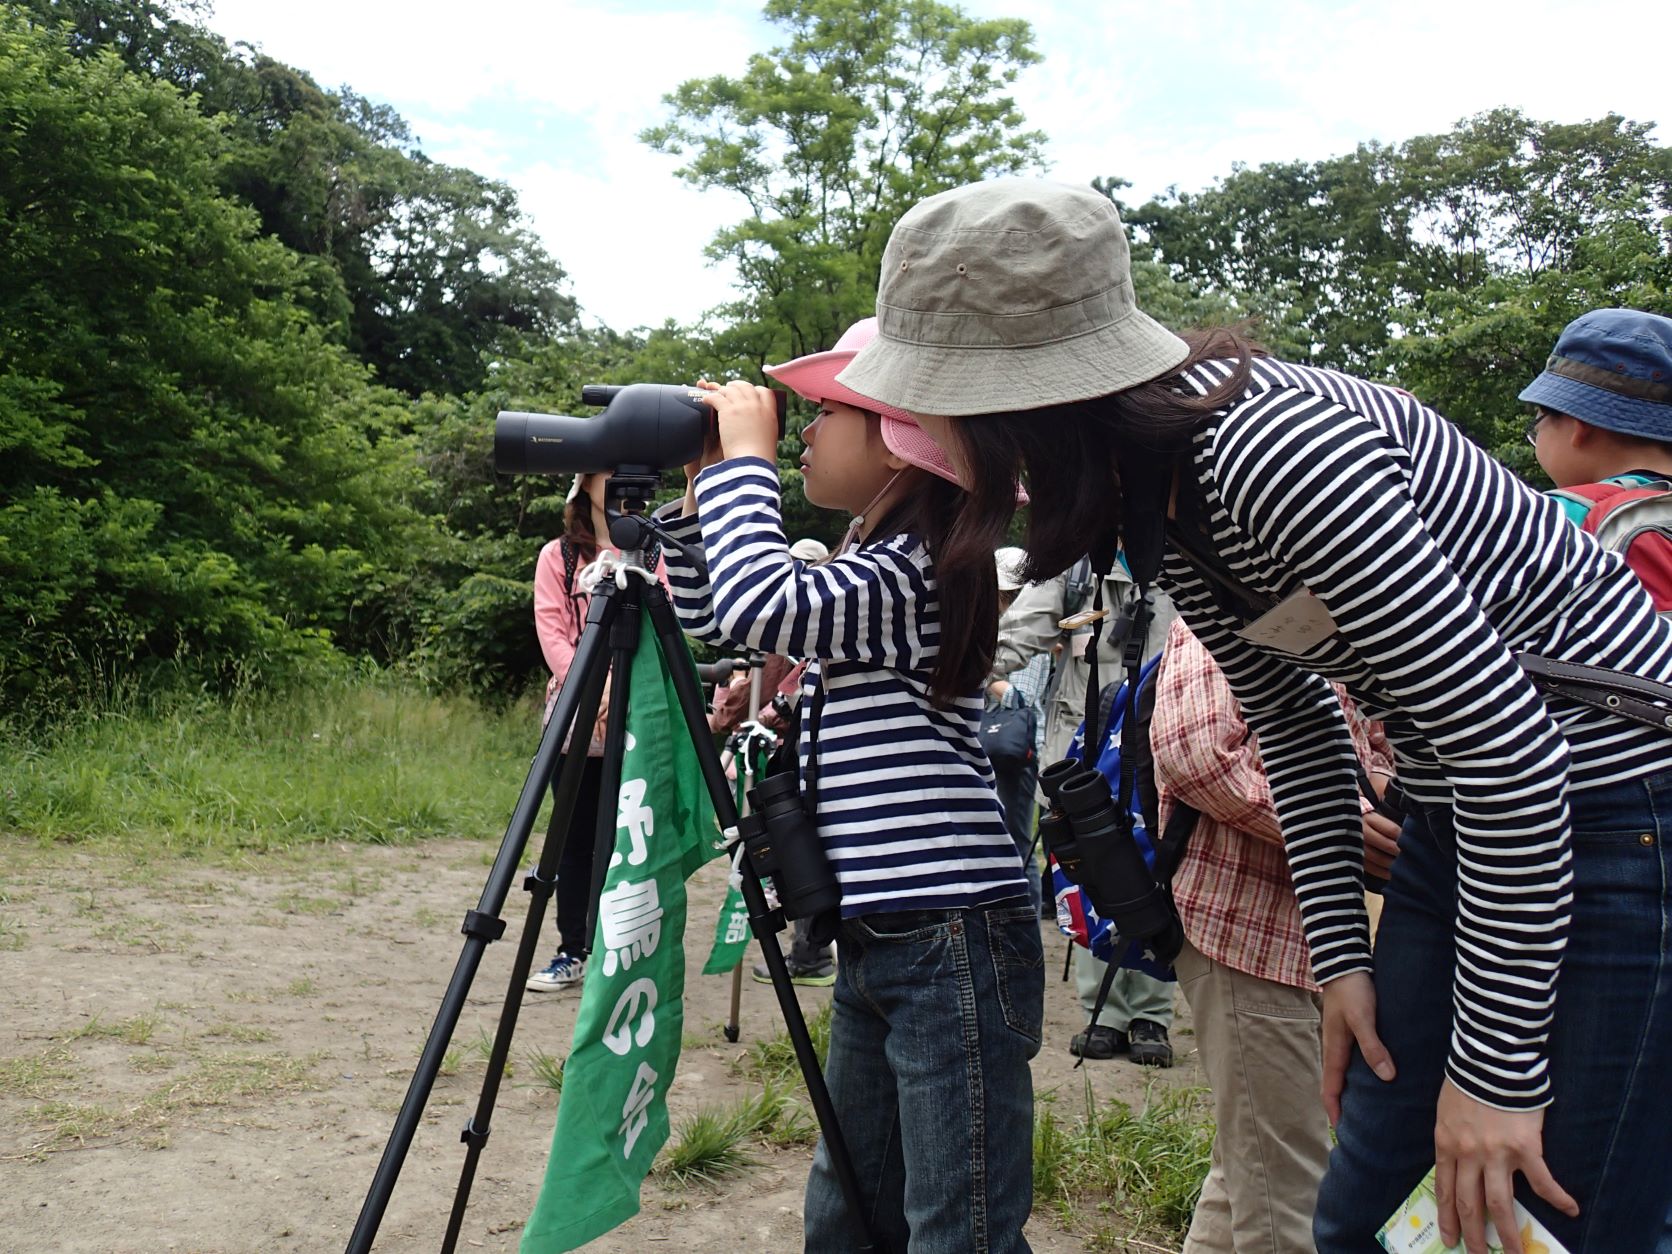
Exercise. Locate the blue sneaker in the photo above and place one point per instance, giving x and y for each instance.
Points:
(563, 972)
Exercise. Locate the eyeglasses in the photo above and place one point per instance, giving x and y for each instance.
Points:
(1531, 429)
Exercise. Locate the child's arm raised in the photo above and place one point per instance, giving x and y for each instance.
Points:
(875, 605)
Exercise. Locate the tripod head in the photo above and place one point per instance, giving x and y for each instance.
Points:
(630, 490)
(627, 496)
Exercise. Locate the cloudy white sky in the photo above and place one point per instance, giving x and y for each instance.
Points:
(549, 95)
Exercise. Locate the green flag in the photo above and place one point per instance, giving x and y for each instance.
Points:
(613, 1115)
(731, 929)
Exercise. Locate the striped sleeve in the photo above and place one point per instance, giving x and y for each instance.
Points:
(1323, 489)
(693, 598)
(874, 605)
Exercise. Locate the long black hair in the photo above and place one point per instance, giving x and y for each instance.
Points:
(1067, 454)
(954, 525)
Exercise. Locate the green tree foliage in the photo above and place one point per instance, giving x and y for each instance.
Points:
(426, 271)
(192, 473)
(866, 108)
(870, 106)
(1347, 248)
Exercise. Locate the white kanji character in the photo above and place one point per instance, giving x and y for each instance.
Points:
(630, 917)
(634, 1114)
(737, 927)
(638, 998)
(638, 818)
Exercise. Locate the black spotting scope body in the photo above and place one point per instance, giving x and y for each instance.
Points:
(643, 424)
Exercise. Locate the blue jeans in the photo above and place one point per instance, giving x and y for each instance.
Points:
(1608, 1129)
(937, 1013)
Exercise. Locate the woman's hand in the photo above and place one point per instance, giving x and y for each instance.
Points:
(1477, 1151)
(1381, 844)
(1350, 1019)
(747, 416)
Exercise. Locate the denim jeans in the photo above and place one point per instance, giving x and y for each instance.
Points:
(937, 1013)
(1608, 1129)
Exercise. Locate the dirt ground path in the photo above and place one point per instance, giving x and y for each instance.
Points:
(210, 1058)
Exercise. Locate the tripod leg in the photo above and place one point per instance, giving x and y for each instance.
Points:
(483, 924)
(540, 883)
(624, 643)
(764, 922)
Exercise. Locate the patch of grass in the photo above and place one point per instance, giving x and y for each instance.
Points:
(301, 987)
(135, 1031)
(139, 932)
(775, 1117)
(773, 1060)
(216, 1080)
(356, 884)
(547, 1069)
(482, 1046)
(243, 1032)
(371, 760)
(451, 1061)
(1145, 1168)
(37, 1076)
(705, 1148)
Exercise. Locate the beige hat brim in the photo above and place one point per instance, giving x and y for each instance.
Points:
(957, 382)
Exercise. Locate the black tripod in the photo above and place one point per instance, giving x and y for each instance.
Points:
(613, 622)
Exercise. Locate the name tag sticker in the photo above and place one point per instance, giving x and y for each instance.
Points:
(1297, 624)
(1085, 618)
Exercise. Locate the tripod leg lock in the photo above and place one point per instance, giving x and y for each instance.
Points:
(489, 927)
(472, 1136)
(534, 882)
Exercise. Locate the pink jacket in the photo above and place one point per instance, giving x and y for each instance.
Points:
(558, 619)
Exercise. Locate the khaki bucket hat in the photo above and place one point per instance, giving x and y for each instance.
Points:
(1005, 295)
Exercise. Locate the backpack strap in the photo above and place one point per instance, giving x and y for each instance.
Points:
(1078, 586)
(570, 556)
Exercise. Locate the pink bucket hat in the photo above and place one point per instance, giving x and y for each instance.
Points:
(813, 377)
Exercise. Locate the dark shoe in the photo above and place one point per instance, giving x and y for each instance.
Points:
(810, 975)
(1098, 1042)
(1150, 1046)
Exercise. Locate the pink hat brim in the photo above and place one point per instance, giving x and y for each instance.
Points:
(813, 378)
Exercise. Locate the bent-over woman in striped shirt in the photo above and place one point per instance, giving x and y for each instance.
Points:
(1518, 1017)
(940, 979)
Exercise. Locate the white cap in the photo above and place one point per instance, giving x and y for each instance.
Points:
(809, 550)
(1009, 561)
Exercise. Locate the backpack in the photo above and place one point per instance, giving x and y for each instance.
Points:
(1007, 734)
(1635, 522)
(1079, 583)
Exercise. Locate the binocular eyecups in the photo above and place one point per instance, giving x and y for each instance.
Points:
(1095, 850)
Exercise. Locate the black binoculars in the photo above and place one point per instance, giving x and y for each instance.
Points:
(784, 843)
(1096, 850)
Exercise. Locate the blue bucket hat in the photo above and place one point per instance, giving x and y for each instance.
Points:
(1612, 368)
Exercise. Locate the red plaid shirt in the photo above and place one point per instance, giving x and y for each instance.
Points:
(1233, 890)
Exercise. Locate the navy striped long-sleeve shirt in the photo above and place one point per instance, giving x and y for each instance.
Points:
(905, 799)
(1437, 565)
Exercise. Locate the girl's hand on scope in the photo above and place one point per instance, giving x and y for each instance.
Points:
(711, 454)
(747, 415)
